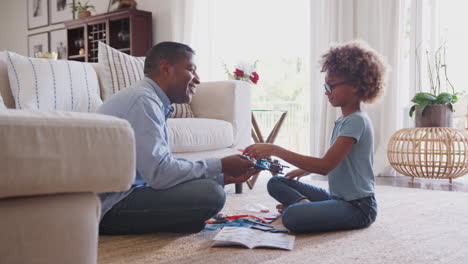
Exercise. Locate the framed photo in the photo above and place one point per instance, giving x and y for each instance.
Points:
(38, 13)
(60, 11)
(113, 5)
(58, 43)
(38, 43)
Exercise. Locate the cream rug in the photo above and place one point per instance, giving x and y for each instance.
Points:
(413, 226)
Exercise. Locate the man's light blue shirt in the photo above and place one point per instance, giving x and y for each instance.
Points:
(146, 107)
(353, 178)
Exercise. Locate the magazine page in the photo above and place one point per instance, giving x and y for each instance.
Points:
(275, 240)
(252, 238)
(230, 235)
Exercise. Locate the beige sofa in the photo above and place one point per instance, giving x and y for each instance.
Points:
(52, 163)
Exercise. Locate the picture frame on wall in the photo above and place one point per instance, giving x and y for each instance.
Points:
(58, 43)
(38, 13)
(60, 11)
(38, 43)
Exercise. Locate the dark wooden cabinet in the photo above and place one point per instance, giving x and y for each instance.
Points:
(127, 30)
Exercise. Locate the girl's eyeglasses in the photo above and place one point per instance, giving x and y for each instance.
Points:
(329, 87)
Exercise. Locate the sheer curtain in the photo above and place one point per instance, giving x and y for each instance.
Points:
(191, 23)
(379, 23)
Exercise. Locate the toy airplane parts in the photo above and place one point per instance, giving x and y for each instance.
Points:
(268, 164)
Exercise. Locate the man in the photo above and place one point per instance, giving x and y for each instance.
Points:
(169, 194)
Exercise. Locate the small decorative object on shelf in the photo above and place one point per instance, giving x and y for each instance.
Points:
(120, 4)
(244, 72)
(434, 108)
(46, 55)
(429, 152)
(127, 4)
(83, 9)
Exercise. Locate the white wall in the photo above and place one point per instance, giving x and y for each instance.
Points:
(14, 29)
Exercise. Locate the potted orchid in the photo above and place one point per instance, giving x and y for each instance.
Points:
(434, 108)
(246, 73)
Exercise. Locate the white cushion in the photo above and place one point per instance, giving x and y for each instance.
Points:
(120, 70)
(52, 85)
(46, 152)
(199, 134)
(228, 101)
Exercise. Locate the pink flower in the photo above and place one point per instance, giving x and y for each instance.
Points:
(239, 73)
(254, 77)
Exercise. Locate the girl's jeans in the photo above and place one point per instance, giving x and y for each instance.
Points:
(323, 212)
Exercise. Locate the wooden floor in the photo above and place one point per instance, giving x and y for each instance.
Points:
(458, 185)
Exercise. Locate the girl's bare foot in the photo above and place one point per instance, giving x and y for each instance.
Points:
(280, 208)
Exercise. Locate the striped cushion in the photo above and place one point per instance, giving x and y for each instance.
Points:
(120, 70)
(45, 84)
(182, 111)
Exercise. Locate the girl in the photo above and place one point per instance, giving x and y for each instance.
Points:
(354, 73)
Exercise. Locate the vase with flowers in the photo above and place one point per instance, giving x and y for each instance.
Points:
(243, 72)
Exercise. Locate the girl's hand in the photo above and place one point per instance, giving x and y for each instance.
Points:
(261, 150)
(298, 173)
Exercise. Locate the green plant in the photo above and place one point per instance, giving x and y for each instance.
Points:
(424, 99)
(435, 96)
(78, 6)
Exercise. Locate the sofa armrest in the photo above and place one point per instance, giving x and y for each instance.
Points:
(63, 152)
(228, 101)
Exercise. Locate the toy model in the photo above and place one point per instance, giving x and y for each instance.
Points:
(267, 164)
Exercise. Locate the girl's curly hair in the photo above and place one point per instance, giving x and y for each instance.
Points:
(362, 66)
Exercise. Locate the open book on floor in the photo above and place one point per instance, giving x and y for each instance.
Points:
(241, 236)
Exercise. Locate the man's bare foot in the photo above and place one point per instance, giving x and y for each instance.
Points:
(281, 207)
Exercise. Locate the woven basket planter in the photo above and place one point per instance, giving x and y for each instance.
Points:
(83, 13)
(429, 152)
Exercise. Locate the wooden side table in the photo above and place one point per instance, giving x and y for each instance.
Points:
(429, 152)
(258, 137)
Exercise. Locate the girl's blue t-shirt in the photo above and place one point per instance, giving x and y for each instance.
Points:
(353, 178)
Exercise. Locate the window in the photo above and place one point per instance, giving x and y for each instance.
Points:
(274, 33)
(428, 25)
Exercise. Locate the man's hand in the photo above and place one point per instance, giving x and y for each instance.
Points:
(228, 179)
(236, 165)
